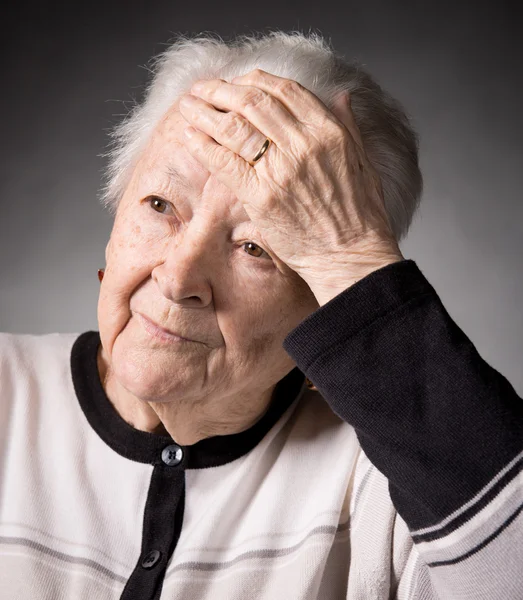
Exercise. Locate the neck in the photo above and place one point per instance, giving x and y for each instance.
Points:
(186, 422)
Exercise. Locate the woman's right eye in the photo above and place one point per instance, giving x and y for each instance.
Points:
(158, 204)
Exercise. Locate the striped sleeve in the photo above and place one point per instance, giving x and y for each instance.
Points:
(442, 425)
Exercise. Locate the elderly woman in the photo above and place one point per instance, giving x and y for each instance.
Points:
(277, 405)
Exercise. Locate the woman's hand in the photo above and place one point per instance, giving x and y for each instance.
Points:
(314, 197)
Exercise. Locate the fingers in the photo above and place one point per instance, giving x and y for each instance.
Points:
(305, 106)
(229, 129)
(296, 98)
(227, 166)
(282, 109)
(262, 109)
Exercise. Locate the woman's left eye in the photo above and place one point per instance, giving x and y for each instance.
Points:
(158, 204)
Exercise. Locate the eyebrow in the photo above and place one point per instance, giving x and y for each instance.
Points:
(176, 175)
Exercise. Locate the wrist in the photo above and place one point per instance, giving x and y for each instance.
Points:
(329, 283)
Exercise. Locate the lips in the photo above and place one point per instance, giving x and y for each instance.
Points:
(161, 332)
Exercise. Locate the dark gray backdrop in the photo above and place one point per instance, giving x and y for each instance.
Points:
(455, 67)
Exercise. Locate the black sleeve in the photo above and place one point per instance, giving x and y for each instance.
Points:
(441, 424)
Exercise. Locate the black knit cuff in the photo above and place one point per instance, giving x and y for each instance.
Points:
(377, 294)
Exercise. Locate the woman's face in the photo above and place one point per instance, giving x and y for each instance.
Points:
(184, 255)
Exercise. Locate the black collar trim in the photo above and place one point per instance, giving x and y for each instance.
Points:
(145, 447)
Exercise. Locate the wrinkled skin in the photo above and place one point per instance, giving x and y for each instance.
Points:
(190, 255)
(314, 196)
(188, 270)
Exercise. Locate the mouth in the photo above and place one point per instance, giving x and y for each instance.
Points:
(160, 333)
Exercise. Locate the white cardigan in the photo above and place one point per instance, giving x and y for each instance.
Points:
(292, 508)
(293, 518)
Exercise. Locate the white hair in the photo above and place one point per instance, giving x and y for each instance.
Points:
(389, 140)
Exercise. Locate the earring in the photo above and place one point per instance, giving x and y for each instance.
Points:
(310, 385)
(101, 274)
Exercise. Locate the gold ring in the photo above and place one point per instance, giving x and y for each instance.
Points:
(263, 150)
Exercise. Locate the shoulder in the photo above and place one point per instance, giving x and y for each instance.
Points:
(28, 362)
(20, 350)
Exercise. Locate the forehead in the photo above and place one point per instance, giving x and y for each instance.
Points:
(166, 152)
(167, 165)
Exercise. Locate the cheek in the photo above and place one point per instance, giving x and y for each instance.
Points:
(137, 244)
(254, 320)
(133, 253)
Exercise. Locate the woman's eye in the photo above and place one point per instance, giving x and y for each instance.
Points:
(158, 204)
(254, 250)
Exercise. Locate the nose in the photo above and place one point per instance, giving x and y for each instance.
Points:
(183, 276)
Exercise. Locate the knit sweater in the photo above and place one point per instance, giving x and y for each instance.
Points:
(399, 478)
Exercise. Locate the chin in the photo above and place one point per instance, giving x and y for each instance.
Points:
(151, 374)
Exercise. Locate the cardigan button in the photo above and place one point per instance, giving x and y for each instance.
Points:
(151, 559)
(172, 455)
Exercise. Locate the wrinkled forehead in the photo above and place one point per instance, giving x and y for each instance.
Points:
(165, 149)
(167, 165)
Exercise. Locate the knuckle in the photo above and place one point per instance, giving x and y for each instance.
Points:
(218, 158)
(254, 98)
(230, 125)
(251, 77)
(288, 87)
(229, 164)
(211, 85)
(300, 144)
(257, 73)
(214, 83)
(332, 133)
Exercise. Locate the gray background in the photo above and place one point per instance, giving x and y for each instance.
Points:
(456, 69)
